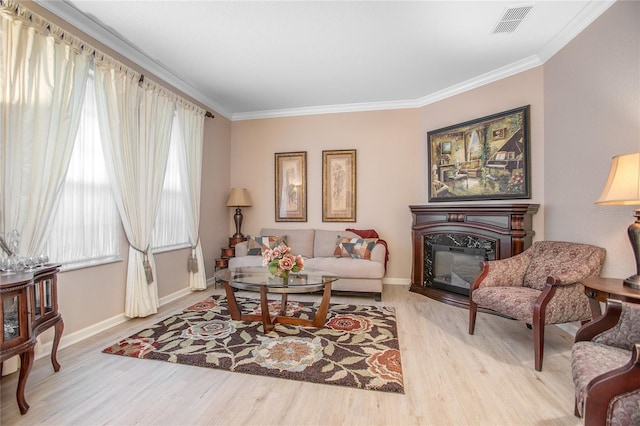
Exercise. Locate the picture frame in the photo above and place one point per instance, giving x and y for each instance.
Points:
(482, 159)
(339, 185)
(291, 186)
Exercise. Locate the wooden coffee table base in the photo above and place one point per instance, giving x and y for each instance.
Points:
(268, 320)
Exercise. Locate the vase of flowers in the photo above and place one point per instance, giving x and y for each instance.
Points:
(280, 261)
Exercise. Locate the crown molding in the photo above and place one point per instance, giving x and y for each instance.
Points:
(98, 31)
(481, 80)
(587, 15)
(324, 109)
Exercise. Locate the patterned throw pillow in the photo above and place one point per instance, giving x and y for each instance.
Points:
(258, 244)
(355, 248)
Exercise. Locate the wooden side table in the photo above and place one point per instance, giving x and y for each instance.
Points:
(227, 253)
(233, 241)
(600, 289)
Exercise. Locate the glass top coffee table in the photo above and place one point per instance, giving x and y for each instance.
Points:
(260, 280)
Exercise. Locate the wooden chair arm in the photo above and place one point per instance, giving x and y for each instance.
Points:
(603, 388)
(485, 270)
(540, 307)
(610, 318)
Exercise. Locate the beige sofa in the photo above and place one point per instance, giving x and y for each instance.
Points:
(317, 247)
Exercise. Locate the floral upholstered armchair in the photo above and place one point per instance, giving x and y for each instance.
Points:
(605, 363)
(539, 286)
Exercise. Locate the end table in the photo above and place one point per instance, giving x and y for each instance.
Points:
(600, 289)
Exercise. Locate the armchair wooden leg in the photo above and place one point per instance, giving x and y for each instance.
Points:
(538, 344)
(473, 312)
(538, 323)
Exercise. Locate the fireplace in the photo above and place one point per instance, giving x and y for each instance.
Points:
(449, 242)
(455, 268)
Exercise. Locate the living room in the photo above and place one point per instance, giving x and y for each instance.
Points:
(584, 110)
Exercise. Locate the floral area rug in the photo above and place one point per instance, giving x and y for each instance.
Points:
(358, 346)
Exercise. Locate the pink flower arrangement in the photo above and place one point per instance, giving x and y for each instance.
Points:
(280, 261)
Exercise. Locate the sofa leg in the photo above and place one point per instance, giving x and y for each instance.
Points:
(377, 297)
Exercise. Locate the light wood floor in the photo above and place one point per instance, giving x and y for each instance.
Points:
(451, 378)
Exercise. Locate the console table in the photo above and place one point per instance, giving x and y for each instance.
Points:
(28, 306)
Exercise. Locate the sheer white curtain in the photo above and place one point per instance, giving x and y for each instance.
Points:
(170, 230)
(135, 124)
(191, 121)
(86, 227)
(43, 82)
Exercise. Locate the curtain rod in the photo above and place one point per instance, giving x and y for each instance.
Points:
(208, 114)
(19, 10)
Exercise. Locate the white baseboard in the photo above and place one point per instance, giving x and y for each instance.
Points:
(43, 350)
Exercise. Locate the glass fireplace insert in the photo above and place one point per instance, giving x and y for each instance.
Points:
(455, 268)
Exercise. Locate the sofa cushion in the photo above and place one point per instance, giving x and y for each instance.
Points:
(246, 261)
(356, 248)
(325, 241)
(300, 240)
(258, 244)
(346, 267)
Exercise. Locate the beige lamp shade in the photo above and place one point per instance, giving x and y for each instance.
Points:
(239, 197)
(623, 184)
(623, 187)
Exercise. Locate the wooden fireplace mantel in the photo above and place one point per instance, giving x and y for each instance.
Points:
(509, 226)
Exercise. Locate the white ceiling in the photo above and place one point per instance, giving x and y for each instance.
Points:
(276, 58)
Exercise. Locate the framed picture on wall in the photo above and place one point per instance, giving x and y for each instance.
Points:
(339, 186)
(482, 159)
(291, 186)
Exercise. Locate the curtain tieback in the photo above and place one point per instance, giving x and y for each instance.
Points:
(192, 262)
(148, 273)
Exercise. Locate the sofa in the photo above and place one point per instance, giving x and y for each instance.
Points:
(359, 262)
(605, 364)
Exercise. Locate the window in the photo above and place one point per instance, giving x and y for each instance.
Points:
(170, 229)
(86, 226)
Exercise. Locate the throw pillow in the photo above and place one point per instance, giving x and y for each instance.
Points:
(258, 244)
(355, 248)
(324, 243)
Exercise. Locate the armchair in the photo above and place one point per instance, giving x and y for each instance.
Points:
(605, 364)
(539, 286)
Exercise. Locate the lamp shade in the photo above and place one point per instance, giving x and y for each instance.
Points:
(623, 184)
(239, 197)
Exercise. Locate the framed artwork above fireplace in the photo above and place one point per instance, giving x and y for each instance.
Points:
(482, 159)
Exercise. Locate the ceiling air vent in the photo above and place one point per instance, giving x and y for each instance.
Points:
(511, 19)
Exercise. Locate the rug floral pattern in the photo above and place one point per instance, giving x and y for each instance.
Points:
(358, 346)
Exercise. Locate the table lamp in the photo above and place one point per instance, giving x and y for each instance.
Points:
(239, 197)
(623, 188)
